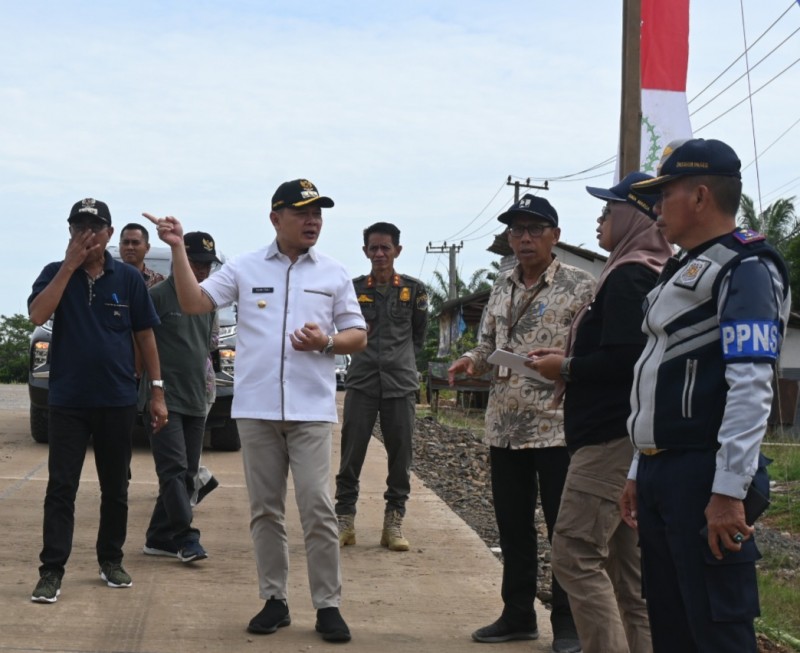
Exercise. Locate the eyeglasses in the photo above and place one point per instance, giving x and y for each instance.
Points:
(130, 242)
(605, 214)
(94, 227)
(534, 230)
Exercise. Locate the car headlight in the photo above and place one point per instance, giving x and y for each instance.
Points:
(227, 358)
(40, 350)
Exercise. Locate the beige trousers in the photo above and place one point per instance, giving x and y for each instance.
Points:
(269, 450)
(595, 555)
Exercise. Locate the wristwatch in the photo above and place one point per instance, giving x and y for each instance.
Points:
(157, 383)
(566, 369)
(327, 349)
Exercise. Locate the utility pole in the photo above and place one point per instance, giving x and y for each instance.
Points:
(630, 117)
(453, 249)
(526, 184)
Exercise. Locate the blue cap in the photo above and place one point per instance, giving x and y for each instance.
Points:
(695, 157)
(530, 205)
(622, 193)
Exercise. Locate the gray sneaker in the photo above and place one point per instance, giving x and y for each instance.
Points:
(48, 588)
(115, 575)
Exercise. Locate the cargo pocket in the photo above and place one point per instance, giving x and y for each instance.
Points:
(585, 517)
(731, 584)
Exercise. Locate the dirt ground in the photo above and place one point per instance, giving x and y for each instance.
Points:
(428, 599)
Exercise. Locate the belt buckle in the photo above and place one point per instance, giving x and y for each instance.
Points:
(650, 452)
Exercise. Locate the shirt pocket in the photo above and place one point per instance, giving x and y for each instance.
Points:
(400, 311)
(116, 315)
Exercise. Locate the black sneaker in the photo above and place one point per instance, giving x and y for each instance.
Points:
(114, 575)
(503, 631)
(331, 625)
(192, 552)
(154, 548)
(274, 615)
(48, 588)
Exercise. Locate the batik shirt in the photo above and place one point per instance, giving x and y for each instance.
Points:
(151, 277)
(520, 319)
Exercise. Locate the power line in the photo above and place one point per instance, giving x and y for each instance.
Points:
(499, 190)
(746, 73)
(743, 100)
(733, 63)
(766, 149)
(750, 96)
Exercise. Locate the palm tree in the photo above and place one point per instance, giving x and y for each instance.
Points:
(439, 288)
(778, 222)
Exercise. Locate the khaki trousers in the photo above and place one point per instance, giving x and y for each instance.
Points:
(595, 555)
(269, 450)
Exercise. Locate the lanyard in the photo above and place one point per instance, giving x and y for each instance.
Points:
(512, 323)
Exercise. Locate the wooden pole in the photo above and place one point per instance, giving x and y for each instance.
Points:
(630, 129)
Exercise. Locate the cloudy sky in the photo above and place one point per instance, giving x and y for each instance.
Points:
(412, 112)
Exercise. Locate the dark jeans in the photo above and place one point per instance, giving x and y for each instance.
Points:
(695, 602)
(176, 451)
(69, 433)
(517, 476)
(397, 428)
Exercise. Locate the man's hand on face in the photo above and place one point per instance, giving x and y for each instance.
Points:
(82, 245)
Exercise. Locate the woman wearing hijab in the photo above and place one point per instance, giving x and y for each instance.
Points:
(595, 555)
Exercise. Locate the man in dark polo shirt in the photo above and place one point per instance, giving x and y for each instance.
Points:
(184, 343)
(382, 380)
(99, 307)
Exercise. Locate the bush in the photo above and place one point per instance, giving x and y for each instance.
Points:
(15, 335)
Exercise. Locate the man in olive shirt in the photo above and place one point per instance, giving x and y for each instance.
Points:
(383, 380)
(184, 342)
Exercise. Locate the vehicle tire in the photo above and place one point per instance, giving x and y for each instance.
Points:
(39, 423)
(226, 438)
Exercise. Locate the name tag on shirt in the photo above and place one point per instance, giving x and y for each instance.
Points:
(261, 291)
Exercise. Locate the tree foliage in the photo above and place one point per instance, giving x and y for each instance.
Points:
(779, 223)
(438, 294)
(15, 336)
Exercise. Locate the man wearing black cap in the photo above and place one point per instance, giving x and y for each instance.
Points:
(297, 308)
(701, 397)
(99, 307)
(530, 306)
(184, 344)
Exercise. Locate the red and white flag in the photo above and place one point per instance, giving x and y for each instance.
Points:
(664, 61)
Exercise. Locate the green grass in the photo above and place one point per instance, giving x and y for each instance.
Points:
(784, 472)
(778, 579)
(780, 608)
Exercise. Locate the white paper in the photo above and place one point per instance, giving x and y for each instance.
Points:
(516, 362)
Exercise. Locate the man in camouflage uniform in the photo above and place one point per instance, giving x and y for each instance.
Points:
(530, 307)
(382, 380)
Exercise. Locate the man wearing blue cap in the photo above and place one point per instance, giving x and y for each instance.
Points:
(530, 306)
(701, 397)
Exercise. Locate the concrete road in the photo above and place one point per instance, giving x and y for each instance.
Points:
(428, 599)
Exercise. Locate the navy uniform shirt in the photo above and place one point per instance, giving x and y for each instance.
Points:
(396, 317)
(91, 355)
